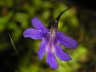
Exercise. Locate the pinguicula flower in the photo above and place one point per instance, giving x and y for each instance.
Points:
(51, 42)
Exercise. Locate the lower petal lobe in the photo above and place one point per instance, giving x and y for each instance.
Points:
(67, 41)
(51, 60)
(62, 55)
(41, 51)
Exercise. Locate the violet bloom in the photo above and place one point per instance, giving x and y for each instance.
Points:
(51, 42)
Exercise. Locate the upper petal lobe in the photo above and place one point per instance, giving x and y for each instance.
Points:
(38, 24)
(33, 33)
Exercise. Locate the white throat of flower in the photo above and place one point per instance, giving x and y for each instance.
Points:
(50, 46)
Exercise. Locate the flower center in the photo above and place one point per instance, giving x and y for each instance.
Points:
(51, 41)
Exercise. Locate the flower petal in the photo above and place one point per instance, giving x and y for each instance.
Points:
(51, 60)
(41, 51)
(33, 33)
(62, 55)
(67, 41)
(36, 23)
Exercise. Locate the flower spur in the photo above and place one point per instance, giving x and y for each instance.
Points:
(51, 40)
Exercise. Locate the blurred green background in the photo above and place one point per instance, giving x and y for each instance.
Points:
(19, 54)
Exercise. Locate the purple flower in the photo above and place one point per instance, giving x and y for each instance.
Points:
(51, 42)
